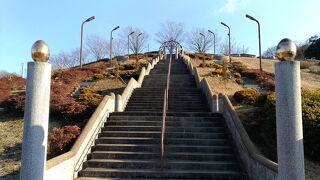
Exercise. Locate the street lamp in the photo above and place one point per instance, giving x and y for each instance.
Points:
(229, 39)
(111, 42)
(253, 19)
(129, 42)
(204, 40)
(89, 19)
(137, 48)
(214, 42)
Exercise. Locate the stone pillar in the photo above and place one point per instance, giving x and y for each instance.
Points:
(289, 113)
(118, 105)
(164, 53)
(177, 52)
(289, 121)
(36, 115)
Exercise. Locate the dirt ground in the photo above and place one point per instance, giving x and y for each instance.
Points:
(308, 80)
(10, 144)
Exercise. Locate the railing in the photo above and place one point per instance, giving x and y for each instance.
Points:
(164, 111)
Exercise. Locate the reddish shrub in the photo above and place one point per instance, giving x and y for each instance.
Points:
(61, 139)
(15, 104)
(10, 83)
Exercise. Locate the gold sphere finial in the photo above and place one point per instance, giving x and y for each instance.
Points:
(40, 51)
(286, 50)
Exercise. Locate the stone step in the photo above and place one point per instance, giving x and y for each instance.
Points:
(127, 140)
(160, 109)
(181, 120)
(158, 173)
(157, 164)
(155, 134)
(175, 114)
(159, 123)
(123, 155)
(156, 148)
(127, 147)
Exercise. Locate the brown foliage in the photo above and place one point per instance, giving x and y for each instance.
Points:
(61, 139)
(10, 83)
(63, 82)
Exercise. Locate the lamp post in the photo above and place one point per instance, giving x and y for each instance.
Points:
(89, 19)
(254, 19)
(214, 42)
(137, 48)
(111, 42)
(229, 39)
(129, 42)
(204, 41)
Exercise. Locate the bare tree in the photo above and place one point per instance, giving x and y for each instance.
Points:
(270, 52)
(4, 73)
(67, 59)
(97, 47)
(118, 48)
(198, 43)
(171, 31)
(134, 46)
(235, 48)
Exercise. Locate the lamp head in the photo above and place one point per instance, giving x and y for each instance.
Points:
(90, 18)
(250, 17)
(40, 51)
(286, 50)
(116, 28)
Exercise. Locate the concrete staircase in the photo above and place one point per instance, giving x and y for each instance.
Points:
(196, 140)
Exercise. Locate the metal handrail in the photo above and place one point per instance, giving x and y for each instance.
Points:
(164, 112)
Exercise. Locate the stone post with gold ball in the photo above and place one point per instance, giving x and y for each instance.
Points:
(36, 114)
(289, 113)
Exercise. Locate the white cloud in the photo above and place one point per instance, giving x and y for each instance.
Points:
(233, 5)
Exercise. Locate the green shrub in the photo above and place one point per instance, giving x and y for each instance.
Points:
(130, 66)
(216, 72)
(311, 122)
(247, 96)
(98, 76)
(310, 118)
(239, 81)
(89, 96)
(239, 67)
(236, 75)
(205, 64)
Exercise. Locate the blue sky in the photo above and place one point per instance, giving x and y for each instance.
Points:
(58, 22)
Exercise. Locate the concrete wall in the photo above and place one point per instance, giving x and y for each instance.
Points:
(67, 165)
(254, 164)
(64, 166)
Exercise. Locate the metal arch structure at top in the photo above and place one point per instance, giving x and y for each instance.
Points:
(171, 46)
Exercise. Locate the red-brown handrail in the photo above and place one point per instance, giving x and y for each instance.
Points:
(164, 111)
